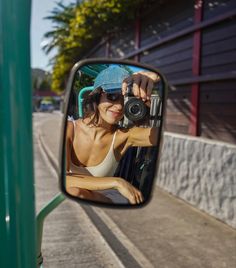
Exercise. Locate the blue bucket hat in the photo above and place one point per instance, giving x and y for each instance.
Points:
(110, 79)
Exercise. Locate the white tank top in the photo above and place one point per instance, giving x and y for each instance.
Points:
(106, 168)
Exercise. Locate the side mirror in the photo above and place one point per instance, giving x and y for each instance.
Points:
(112, 132)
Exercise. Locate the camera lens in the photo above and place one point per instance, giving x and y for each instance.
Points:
(135, 109)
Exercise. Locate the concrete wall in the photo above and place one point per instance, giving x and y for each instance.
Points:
(202, 172)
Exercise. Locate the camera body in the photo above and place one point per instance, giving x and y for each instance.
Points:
(136, 112)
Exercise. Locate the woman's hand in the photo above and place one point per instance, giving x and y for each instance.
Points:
(142, 82)
(130, 192)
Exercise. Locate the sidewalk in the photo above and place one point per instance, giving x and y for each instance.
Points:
(69, 238)
(166, 233)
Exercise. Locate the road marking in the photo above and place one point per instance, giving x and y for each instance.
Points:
(94, 232)
(125, 241)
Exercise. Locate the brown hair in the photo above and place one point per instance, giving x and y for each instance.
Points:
(90, 106)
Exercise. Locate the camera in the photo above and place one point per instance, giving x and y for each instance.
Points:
(135, 109)
(136, 112)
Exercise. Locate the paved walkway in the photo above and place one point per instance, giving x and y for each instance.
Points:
(70, 240)
(166, 233)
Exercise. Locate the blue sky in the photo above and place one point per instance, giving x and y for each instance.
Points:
(39, 26)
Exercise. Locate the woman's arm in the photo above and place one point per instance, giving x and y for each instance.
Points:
(103, 183)
(88, 195)
(90, 182)
(139, 136)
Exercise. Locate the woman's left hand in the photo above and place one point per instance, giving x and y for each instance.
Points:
(142, 82)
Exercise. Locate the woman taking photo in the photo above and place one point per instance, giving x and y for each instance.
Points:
(95, 143)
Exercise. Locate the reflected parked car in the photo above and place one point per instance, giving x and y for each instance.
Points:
(46, 106)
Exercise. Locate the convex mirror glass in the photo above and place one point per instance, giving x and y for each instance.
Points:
(112, 137)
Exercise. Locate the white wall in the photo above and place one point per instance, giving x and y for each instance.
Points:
(202, 172)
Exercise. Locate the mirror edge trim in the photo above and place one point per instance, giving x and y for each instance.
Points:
(69, 87)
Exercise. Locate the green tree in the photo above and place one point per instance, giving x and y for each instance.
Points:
(44, 85)
(60, 18)
(79, 27)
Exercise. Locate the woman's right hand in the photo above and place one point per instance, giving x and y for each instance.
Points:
(129, 191)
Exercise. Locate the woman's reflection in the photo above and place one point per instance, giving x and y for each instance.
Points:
(96, 143)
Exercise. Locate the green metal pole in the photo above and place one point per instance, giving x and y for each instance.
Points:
(80, 98)
(54, 203)
(17, 200)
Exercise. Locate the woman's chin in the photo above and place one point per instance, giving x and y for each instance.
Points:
(114, 116)
(111, 120)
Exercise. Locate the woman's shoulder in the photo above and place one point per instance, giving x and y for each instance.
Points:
(74, 124)
(82, 125)
(78, 121)
(122, 134)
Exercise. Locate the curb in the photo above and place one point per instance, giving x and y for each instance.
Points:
(48, 152)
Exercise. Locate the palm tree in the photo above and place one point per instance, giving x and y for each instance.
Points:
(61, 17)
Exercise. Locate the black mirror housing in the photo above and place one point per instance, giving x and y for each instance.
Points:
(112, 132)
